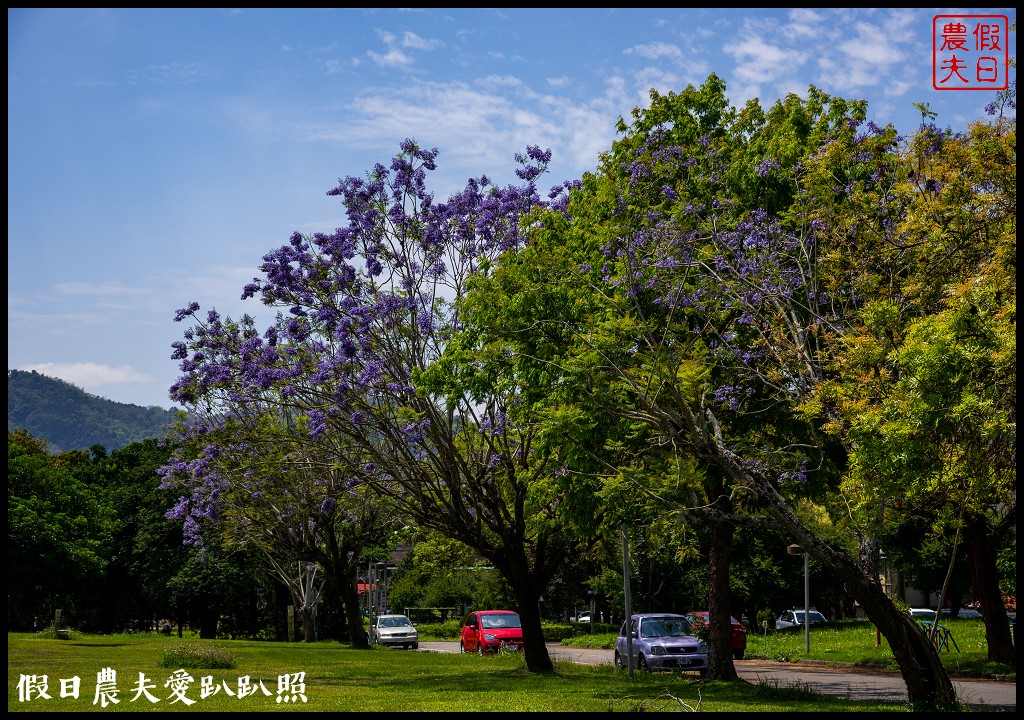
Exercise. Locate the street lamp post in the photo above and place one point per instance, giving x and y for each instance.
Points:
(797, 550)
(884, 579)
(629, 608)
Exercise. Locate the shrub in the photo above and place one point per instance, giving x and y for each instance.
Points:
(449, 630)
(52, 633)
(196, 656)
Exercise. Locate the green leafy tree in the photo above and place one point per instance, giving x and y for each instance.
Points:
(144, 547)
(717, 317)
(925, 389)
(637, 299)
(258, 483)
(443, 573)
(57, 530)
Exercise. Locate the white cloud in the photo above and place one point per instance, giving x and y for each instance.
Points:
(758, 61)
(656, 51)
(867, 59)
(89, 373)
(107, 289)
(414, 41)
(871, 46)
(480, 126)
(897, 88)
(61, 323)
(803, 23)
(392, 58)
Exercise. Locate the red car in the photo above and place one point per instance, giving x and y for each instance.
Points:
(739, 632)
(489, 631)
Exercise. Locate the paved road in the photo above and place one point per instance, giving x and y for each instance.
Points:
(856, 684)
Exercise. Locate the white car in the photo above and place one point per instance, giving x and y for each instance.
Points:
(793, 619)
(921, 613)
(583, 616)
(394, 631)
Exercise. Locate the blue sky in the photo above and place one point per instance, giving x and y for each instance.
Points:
(155, 156)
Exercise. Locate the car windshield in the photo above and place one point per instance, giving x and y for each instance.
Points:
(664, 627)
(395, 621)
(815, 616)
(500, 621)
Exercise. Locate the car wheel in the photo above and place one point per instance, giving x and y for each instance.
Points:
(480, 649)
(737, 654)
(415, 646)
(641, 664)
(462, 648)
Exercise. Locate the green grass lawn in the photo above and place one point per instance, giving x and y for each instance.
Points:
(330, 676)
(855, 642)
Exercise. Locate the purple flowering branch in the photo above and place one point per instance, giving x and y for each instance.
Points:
(705, 266)
(362, 313)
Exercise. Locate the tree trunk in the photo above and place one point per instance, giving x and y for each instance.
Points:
(209, 616)
(985, 582)
(928, 683)
(348, 588)
(308, 624)
(720, 659)
(534, 648)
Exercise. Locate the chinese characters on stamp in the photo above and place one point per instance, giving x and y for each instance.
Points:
(970, 52)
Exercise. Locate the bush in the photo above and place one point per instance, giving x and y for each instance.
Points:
(449, 630)
(53, 633)
(197, 657)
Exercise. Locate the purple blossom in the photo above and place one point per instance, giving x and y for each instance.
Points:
(186, 312)
(317, 423)
(766, 167)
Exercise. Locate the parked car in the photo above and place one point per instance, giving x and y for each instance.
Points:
(794, 619)
(489, 631)
(583, 616)
(964, 614)
(738, 639)
(921, 613)
(394, 631)
(660, 641)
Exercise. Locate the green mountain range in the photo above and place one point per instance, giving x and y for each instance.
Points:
(71, 419)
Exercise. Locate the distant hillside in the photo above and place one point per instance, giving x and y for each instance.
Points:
(72, 419)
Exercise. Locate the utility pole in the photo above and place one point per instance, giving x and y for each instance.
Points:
(629, 606)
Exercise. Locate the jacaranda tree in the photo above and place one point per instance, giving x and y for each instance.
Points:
(254, 474)
(353, 363)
